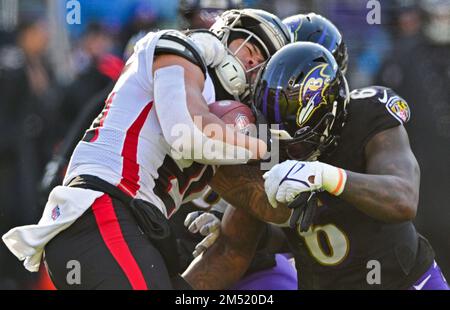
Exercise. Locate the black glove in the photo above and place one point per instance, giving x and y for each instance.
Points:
(304, 206)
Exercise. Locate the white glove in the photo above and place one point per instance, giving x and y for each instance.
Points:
(285, 181)
(288, 179)
(207, 224)
(212, 50)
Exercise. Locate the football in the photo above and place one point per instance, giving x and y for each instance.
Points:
(233, 113)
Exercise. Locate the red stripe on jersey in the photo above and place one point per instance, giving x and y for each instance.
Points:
(130, 168)
(191, 177)
(169, 183)
(182, 191)
(111, 233)
(108, 103)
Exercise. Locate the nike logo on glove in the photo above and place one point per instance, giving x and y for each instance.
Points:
(287, 178)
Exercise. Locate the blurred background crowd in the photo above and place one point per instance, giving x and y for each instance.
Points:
(53, 72)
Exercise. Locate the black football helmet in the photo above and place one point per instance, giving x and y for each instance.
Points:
(263, 29)
(318, 29)
(303, 91)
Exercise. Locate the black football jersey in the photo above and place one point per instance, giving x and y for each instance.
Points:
(345, 247)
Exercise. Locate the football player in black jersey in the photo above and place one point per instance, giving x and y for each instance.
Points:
(350, 154)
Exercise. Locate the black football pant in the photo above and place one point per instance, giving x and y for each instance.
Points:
(108, 249)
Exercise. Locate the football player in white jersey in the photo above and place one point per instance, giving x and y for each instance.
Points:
(146, 154)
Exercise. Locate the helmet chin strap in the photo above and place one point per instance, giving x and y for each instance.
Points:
(232, 76)
(326, 132)
(327, 129)
(347, 91)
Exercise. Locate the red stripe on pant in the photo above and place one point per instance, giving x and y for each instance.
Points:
(111, 233)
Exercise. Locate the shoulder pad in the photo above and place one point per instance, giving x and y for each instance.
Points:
(176, 43)
(393, 103)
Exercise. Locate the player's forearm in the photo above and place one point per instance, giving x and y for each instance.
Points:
(255, 202)
(219, 267)
(243, 187)
(227, 260)
(383, 197)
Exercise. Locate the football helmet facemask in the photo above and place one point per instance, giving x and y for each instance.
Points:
(259, 27)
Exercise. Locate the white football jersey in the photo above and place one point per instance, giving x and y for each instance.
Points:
(125, 145)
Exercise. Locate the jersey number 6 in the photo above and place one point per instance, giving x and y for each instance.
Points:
(327, 244)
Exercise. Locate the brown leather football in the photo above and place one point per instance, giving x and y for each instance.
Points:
(233, 113)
